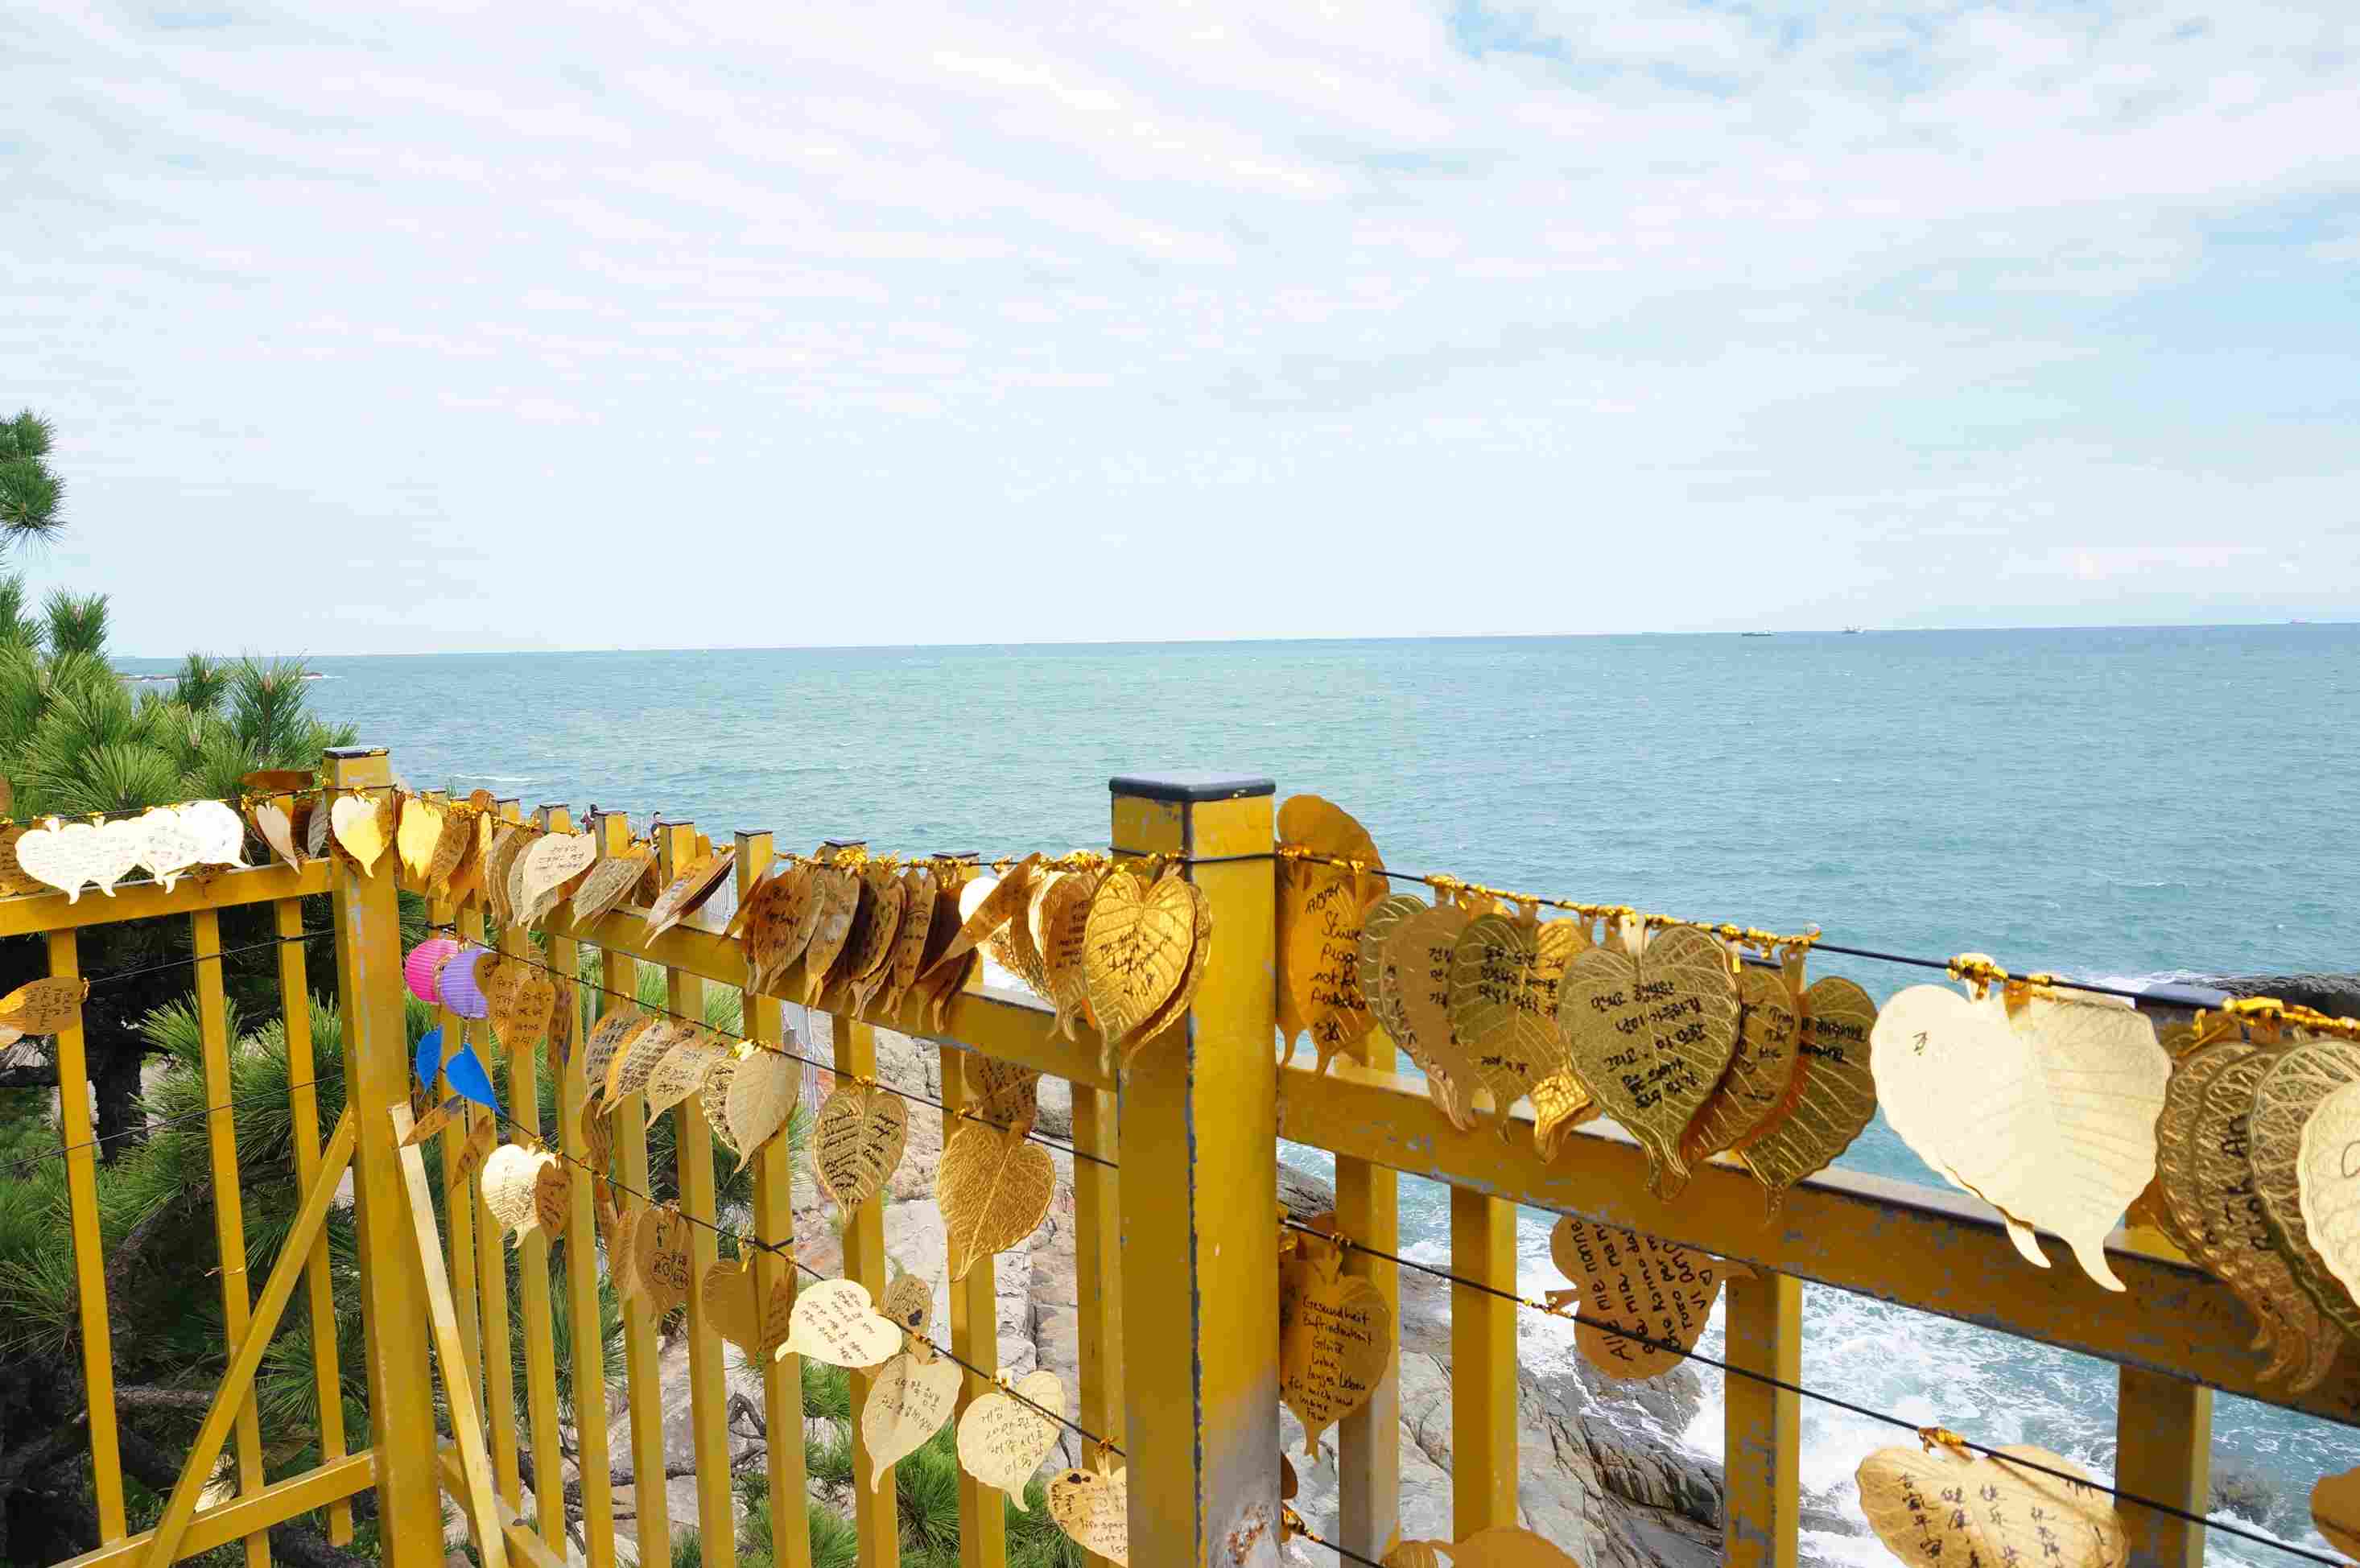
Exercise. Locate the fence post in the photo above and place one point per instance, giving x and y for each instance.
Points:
(393, 1286)
(2163, 1449)
(1762, 1425)
(1199, 1118)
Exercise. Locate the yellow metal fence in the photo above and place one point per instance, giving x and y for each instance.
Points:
(1176, 1255)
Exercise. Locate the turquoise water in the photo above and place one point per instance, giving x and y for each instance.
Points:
(2105, 803)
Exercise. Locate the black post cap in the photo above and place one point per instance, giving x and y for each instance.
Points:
(1191, 787)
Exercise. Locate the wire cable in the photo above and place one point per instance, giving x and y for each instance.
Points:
(146, 1129)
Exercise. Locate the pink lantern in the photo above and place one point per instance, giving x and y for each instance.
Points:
(424, 963)
(461, 994)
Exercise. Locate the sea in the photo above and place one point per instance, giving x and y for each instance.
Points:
(2124, 805)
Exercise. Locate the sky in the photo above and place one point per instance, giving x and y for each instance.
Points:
(401, 329)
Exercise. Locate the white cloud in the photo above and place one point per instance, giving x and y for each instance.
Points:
(1377, 294)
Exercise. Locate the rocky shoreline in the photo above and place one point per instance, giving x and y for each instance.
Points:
(1602, 1472)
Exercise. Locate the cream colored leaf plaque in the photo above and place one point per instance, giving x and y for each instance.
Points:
(610, 881)
(683, 1071)
(1504, 972)
(167, 847)
(2328, 1178)
(277, 830)
(1417, 956)
(542, 873)
(1941, 1510)
(2045, 1111)
(509, 842)
(1093, 1507)
(761, 1096)
(1769, 1032)
(856, 1142)
(1135, 947)
(44, 1006)
(1832, 1096)
(628, 1073)
(908, 1403)
(833, 1322)
(1003, 1441)
(1650, 1037)
(355, 822)
(1335, 1338)
(910, 1304)
(219, 832)
(1653, 1289)
(507, 1182)
(995, 1189)
(731, 1294)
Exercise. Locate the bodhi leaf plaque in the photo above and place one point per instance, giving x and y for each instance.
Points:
(1651, 1037)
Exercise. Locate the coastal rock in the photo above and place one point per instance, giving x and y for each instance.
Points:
(2337, 995)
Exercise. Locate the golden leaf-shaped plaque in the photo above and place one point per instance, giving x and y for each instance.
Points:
(1060, 918)
(2335, 1510)
(869, 956)
(761, 1097)
(995, 1189)
(552, 1196)
(15, 880)
(1769, 1032)
(1831, 1099)
(856, 1142)
(420, 832)
(1417, 961)
(995, 905)
(1320, 908)
(1003, 1440)
(2207, 1183)
(908, 1403)
(1003, 1093)
(1653, 1289)
(544, 869)
(521, 998)
(2293, 1085)
(1941, 1510)
(1200, 949)
(483, 1133)
(270, 820)
(833, 1322)
(1650, 1037)
(1377, 977)
(628, 1073)
(683, 1072)
(435, 1120)
(44, 1006)
(509, 842)
(835, 894)
(689, 888)
(1500, 1546)
(909, 1304)
(1335, 1338)
(609, 882)
(943, 986)
(2047, 1111)
(1504, 983)
(622, 1250)
(1013, 946)
(1093, 1507)
(2328, 1182)
(659, 1259)
(732, 1297)
(359, 826)
(614, 1033)
(453, 847)
(918, 914)
(777, 905)
(1135, 949)
(1559, 1105)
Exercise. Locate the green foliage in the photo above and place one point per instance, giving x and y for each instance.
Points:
(32, 498)
(201, 684)
(77, 623)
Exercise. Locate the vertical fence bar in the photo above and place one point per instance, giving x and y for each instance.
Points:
(1483, 1364)
(874, 1506)
(589, 1344)
(303, 1108)
(975, 1339)
(1200, 1173)
(2163, 1450)
(491, 1264)
(774, 1226)
(1762, 1425)
(393, 1279)
(533, 1268)
(1097, 1267)
(90, 1258)
(229, 1213)
(1368, 1461)
(716, 1517)
(643, 1380)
